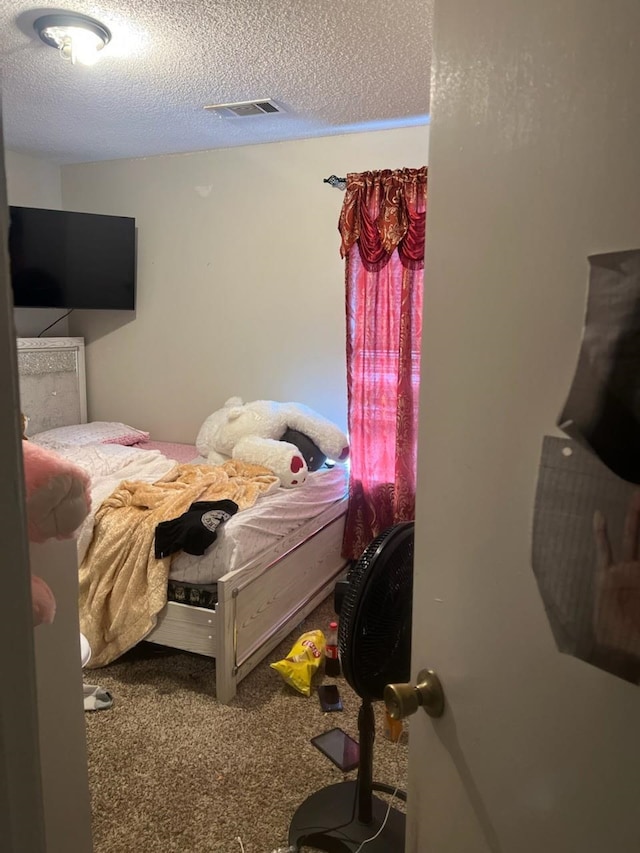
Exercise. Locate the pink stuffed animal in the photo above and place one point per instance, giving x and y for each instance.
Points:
(58, 501)
(43, 602)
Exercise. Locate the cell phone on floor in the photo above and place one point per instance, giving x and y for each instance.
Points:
(340, 748)
(329, 697)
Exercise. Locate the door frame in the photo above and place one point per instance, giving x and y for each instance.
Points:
(21, 805)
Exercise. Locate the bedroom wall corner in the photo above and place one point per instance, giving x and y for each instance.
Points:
(240, 287)
(33, 182)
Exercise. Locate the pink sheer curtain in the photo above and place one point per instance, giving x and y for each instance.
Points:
(382, 224)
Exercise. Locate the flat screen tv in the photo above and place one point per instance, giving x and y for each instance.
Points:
(61, 259)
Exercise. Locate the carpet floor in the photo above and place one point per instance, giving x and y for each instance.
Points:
(171, 769)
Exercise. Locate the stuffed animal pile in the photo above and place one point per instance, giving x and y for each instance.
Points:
(288, 438)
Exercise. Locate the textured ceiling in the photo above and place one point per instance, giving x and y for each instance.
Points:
(335, 66)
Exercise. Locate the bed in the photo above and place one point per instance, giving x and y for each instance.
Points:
(270, 566)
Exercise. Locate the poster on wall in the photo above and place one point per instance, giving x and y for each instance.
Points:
(586, 557)
(586, 531)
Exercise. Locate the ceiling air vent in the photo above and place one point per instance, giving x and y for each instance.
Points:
(244, 109)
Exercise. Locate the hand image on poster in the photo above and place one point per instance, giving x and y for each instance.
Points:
(617, 585)
(586, 557)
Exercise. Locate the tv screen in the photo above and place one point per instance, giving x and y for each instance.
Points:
(61, 259)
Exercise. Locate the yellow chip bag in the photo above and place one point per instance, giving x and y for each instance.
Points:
(302, 662)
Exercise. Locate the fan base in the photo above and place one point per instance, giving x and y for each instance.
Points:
(315, 821)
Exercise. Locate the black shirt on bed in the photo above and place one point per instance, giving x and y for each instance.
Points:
(195, 530)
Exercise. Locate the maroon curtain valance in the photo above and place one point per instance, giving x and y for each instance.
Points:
(384, 211)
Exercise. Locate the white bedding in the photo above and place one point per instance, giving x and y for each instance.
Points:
(257, 529)
(108, 465)
(240, 539)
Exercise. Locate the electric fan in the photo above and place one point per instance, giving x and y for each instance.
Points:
(374, 638)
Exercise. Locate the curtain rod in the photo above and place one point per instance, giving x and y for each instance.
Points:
(338, 183)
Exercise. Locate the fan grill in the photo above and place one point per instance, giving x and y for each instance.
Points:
(375, 619)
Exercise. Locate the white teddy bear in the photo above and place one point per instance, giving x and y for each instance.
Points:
(252, 432)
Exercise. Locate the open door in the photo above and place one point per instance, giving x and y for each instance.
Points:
(533, 167)
(21, 811)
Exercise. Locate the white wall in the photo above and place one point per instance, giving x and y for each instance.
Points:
(240, 281)
(32, 182)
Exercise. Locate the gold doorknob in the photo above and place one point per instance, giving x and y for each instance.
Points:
(403, 700)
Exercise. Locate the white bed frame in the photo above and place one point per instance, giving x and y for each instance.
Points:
(259, 603)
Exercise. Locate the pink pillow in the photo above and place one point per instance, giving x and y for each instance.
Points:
(96, 432)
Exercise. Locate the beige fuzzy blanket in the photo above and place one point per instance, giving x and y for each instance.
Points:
(122, 585)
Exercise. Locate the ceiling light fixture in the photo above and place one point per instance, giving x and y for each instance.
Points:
(77, 37)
